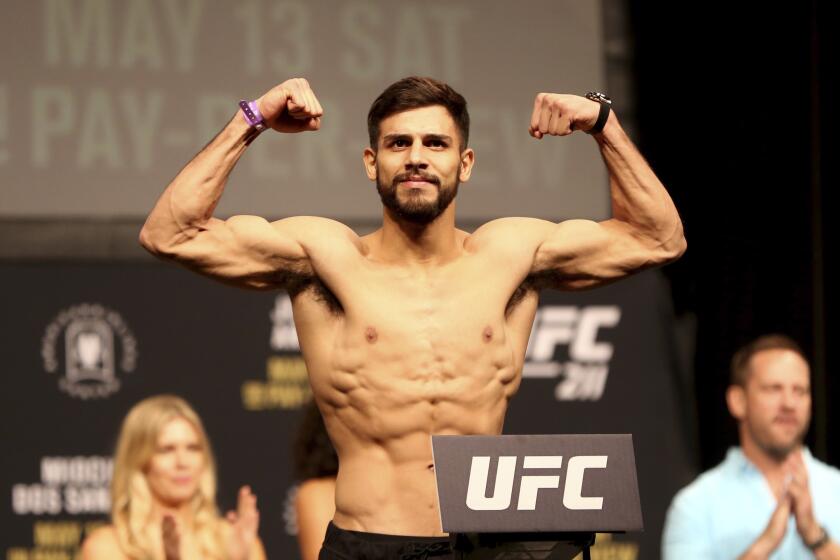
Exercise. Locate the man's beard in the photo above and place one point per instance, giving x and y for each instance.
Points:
(778, 450)
(416, 210)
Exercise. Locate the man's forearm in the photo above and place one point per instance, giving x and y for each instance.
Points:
(759, 550)
(829, 551)
(191, 198)
(638, 196)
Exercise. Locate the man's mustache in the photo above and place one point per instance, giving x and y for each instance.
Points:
(414, 175)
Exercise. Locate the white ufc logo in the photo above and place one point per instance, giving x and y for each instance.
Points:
(577, 327)
(530, 485)
(584, 373)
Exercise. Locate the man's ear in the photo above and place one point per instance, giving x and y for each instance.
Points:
(736, 401)
(467, 162)
(369, 159)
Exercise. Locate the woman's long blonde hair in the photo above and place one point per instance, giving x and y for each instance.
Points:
(131, 498)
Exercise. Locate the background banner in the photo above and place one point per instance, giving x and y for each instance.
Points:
(103, 102)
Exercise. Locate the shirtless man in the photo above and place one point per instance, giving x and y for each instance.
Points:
(418, 328)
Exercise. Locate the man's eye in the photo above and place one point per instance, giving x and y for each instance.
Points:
(400, 143)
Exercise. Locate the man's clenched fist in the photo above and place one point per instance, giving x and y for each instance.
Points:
(291, 107)
(559, 114)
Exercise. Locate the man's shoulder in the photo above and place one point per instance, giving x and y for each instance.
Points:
(316, 228)
(503, 232)
(708, 485)
(824, 472)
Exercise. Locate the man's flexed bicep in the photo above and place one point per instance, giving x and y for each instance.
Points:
(244, 250)
(581, 254)
(645, 229)
(250, 252)
(570, 255)
(247, 251)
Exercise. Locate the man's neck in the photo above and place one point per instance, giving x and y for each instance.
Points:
(772, 467)
(424, 244)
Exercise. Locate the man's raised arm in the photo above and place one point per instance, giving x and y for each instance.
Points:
(244, 250)
(645, 229)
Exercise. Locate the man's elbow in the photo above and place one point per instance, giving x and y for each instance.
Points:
(665, 248)
(679, 246)
(673, 247)
(153, 242)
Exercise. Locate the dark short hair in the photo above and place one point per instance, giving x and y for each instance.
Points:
(740, 367)
(415, 92)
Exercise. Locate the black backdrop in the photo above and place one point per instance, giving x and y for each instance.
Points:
(736, 111)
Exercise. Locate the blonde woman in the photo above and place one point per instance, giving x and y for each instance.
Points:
(163, 494)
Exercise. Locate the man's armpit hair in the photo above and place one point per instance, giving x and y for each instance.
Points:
(292, 278)
(320, 292)
(519, 294)
(556, 280)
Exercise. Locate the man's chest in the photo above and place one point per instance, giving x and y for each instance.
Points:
(472, 282)
(462, 303)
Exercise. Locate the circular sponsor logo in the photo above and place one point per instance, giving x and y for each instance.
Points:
(89, 345)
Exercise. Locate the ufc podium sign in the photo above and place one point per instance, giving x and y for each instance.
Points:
(540, 483)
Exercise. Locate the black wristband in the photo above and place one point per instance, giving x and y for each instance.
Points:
(822, 541)
(603, 115)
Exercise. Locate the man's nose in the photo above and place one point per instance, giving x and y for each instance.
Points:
(416, 157)
(789, 399)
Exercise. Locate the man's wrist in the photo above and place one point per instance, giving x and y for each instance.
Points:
(251, 113)
(816, 539)
(605, 104)
(613, 134)
(811, 532)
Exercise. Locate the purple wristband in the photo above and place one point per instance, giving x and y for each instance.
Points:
(252, 114)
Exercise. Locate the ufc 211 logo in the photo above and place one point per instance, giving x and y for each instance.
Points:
(530, 485)
(572, 332)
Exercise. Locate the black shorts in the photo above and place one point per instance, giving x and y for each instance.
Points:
(341, 544)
